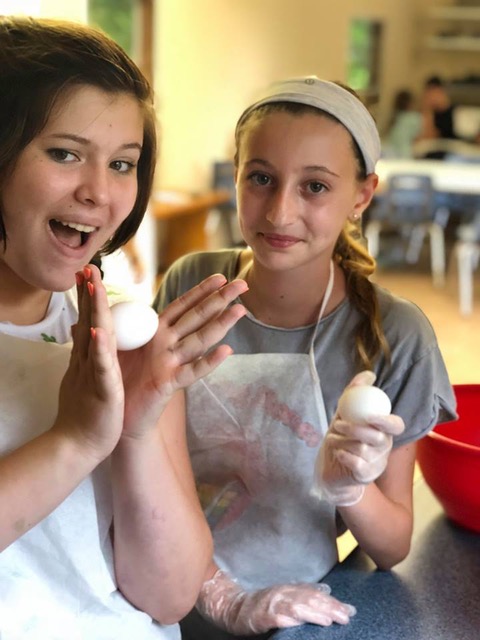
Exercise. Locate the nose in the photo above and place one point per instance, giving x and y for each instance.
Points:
(282, 207)
(93, 187)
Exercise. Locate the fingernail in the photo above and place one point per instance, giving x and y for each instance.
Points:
(325, 588)
(220, 276)
(90, 288)
(93, 333)
(351, 610)
(87, 272)
(79, 279)
(368, 377)
(243, 282)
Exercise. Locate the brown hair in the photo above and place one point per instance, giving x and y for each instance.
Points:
(40, 60)
(349, 252)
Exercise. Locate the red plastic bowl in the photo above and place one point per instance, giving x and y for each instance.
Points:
(449, 458)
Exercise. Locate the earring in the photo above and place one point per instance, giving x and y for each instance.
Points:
(354, 217)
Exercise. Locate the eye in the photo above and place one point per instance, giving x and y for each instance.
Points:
(260, 179)
(123, 166)
(316, 187)
(61, 155)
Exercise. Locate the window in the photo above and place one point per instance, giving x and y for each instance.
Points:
(128, 22)
(364, 58)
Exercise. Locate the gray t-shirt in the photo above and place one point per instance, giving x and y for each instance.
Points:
(254, 426)
(416, 381)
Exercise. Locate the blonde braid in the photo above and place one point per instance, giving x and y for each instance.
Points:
(358, 265)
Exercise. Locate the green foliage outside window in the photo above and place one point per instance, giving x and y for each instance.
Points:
(115, 17)
(364, 42)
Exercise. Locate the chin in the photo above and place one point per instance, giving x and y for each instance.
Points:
(60, 283)
(60, 287)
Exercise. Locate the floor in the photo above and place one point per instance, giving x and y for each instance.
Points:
(458, 336)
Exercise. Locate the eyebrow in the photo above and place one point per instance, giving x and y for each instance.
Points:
(315, 167)
(86, 141)
(312, 167)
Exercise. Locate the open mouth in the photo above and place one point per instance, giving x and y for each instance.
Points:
(71, 234)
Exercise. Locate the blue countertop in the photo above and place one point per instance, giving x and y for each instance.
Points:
(432, 595)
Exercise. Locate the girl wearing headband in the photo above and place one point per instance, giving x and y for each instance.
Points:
(101, 537)
(273, 461)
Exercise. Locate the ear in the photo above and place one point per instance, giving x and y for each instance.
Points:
(365, 192)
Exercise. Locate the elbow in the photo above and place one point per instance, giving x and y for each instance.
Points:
(162, 610)
(168, 603)
(167, 589)
(178, 605)
(394, 557)
(171, 614)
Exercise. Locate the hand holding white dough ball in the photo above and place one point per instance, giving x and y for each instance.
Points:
(357, 445)
(359, 402)
(135, 323)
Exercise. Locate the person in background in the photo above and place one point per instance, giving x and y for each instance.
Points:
(438, 115)
(101, 535)
(403, 128)
(135, 261)
(126, 273)
(273, 460)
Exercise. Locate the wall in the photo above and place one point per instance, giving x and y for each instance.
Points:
(72, 10)
(67, 10)
(212, 56)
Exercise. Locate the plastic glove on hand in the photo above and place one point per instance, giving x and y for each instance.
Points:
(239, 612)
(355, 452)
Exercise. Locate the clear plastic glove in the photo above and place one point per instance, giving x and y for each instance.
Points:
(240, 612)
(353, 455)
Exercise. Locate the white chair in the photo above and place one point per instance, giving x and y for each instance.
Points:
(467, 250)
(408, 207)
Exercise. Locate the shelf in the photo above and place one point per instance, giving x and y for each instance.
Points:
(455, 13)
(454, 43)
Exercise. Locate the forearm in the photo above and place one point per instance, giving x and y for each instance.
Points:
(162, 543)
(382, 527)
(429, 129)
(36, 478)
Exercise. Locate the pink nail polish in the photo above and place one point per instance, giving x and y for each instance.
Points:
(87, 272)
(79, 279)
(93, 333)
(90, 288)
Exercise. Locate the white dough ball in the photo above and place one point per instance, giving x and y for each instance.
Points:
(357, 403)
(135, 323)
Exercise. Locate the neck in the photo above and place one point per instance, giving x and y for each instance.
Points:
(289, 299)
(20, 303)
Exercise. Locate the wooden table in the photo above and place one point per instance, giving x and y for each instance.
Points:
(183, 220)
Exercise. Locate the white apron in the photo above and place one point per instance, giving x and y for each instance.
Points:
(57, 580)
(254, 428)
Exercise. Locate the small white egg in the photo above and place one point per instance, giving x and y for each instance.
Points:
(135, 323)
(357, 403)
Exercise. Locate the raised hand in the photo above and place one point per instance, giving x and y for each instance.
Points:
(353, 455)
(231, 608)
(91, 401)
(181, 351)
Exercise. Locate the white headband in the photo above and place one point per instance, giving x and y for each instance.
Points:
(332, 99)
